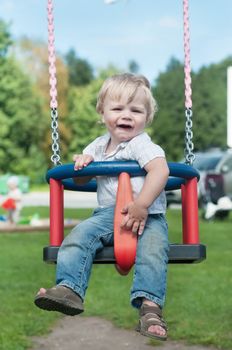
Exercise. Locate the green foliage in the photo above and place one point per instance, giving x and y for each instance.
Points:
(33, 58)
(209, 108)
(20, 116)
(82, 119)
(209, 105)
(168, 126)
(21, 125)
(5, 38)
(80, 71)
(133, 66)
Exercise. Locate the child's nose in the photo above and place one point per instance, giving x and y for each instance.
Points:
(126, 115)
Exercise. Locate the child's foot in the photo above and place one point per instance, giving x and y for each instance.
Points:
(151, 323)
(61, 299)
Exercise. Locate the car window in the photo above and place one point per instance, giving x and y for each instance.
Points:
(206, 162)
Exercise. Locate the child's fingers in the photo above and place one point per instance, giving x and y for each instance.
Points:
(75, 157)
(129, 224)
(88, 159)
(77, 165)
(124, 221)
(141, 227)
(124, 210)
(81, 161)
(135, 227)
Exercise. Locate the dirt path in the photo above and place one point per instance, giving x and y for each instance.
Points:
(92, 333)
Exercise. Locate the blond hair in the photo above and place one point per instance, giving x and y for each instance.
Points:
(127, 83)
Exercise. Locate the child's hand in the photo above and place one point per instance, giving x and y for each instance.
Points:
(81, 160)
(135, 218)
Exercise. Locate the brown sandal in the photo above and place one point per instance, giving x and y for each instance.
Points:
(61, 299)
(151, 316)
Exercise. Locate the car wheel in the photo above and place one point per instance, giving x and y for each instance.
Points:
(222, 214)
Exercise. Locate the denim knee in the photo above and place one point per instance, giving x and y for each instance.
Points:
(78, 250)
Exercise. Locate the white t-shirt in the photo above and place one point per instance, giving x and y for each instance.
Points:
(140, 149)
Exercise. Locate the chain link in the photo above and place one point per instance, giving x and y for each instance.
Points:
(55, 158)
(189, 146)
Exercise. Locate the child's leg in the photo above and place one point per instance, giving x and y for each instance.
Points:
(149, 284)
(10, 216)
(15, 215)
(151, 263)
(79, 248)
(74, 263)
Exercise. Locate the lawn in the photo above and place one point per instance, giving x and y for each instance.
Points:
(199, 302)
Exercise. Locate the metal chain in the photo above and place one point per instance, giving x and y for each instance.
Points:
(55, 158)
(189, 146)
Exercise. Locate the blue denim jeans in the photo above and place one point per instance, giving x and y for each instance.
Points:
(77, 252)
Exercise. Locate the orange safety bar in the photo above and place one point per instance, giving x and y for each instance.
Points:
(125, 241)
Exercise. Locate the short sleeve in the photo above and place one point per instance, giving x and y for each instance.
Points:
(91, 148)
(144, 150)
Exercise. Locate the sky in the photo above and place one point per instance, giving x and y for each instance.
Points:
(147, 31)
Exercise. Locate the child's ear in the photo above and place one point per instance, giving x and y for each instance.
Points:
(102, 119)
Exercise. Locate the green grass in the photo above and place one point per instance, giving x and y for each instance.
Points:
(199, 302)
(199, 299)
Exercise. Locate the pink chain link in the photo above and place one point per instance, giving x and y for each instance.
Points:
(187, 68)
(52, 55)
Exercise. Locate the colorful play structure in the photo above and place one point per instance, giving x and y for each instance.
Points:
(183, 176)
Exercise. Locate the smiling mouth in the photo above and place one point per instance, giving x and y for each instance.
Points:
(124, 126)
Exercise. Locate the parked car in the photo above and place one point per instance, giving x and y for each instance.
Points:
(215, 168)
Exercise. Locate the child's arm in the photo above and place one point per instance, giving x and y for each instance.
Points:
(82, 160)
(155, 181)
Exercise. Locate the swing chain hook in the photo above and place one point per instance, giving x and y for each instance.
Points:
(189, 146)
(55, 158)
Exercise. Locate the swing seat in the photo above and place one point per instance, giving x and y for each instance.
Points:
(190, 251)
(178, 254)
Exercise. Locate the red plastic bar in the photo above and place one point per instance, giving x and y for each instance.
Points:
(190, 212)
(125, 241)
(184, 221)
(56, 212)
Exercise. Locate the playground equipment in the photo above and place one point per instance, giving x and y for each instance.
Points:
(182, 176)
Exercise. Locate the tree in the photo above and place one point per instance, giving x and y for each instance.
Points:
(20, 111)
(209, 97)
(5, 38)
(33, 56)
(168, 126)
(22, 130)
(209, 108)
(80, 71)
(133, 66)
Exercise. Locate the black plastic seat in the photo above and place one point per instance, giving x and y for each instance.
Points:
(178, 254)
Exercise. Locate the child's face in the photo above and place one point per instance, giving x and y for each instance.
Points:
(12, 186)
(125, 120)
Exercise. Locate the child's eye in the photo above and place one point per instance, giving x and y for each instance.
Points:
(116, 109)
(136, 111)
